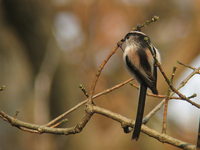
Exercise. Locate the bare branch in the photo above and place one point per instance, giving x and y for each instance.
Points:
(160, 137)
(187, 66)
(43, 129)
(146, 23)
(159, 106)
(52, 126)
(183, 97)
(85, 101)
(99, 72)
(59, 123)
(90, 109)
(84, 90)
(153, 95)
(164, 127)
(153, 111)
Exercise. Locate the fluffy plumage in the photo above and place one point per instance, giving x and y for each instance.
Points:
(138, 57)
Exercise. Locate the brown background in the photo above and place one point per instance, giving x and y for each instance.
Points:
(49, 47)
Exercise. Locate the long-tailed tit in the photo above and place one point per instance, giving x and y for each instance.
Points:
(138, 57)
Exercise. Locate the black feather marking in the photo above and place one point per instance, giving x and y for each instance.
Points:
(144, 61)
(140, 112)
(140, 38)
(155, 69)
(140, 77)
(155, 75)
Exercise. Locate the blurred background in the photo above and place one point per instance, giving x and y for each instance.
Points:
(49, 47)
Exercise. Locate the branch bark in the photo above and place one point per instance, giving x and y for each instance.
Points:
(90, 110)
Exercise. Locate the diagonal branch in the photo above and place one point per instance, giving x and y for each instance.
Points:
(85, 101)
(159, 106)
(90, 110)
(164, 127)
(183, 97)
(150, 132)
(34, 128)
(94, 83)
(52, 128)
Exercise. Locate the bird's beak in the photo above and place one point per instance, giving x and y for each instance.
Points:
(123, 40)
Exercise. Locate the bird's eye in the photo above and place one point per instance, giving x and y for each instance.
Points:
(146, 38)
(127, 37)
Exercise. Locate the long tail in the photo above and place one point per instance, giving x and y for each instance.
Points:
(140, 111)
(198, 137)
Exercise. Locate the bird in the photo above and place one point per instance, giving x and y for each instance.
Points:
(139, 59)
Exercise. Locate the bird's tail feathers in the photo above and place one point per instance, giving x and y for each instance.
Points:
(140, 112)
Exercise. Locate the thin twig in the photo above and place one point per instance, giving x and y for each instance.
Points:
(153, 95)
(85, 101)
(183, 97)
(150, 132)
(98, 95)
(152, 112)
(94, 83)
(187, 66)
(59, 123)
(146, 23)
(184, 82)
(83, 90)
(33, 128)
(108, 91)
(91, 109)
(119, 45)
(159, 106)
(164, 125)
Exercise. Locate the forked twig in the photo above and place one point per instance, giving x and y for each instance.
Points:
(52, 126)
(62, 116)
(164, 126)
